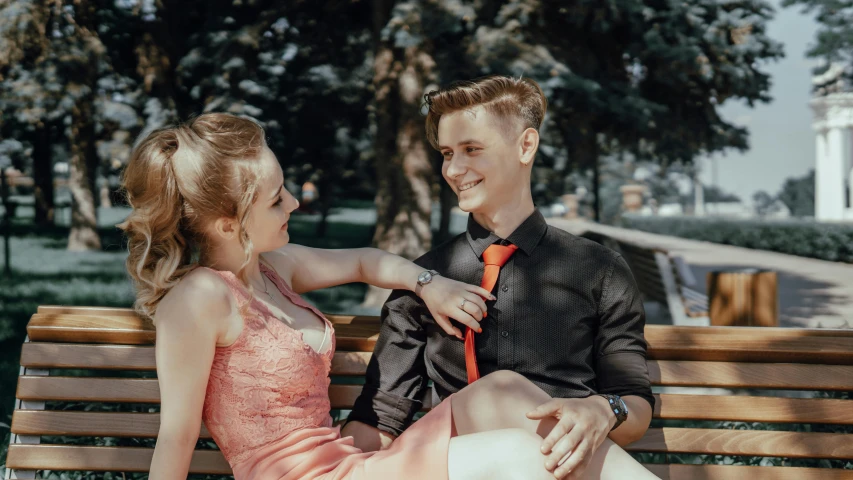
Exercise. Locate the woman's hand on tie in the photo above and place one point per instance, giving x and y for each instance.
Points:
(446, 299)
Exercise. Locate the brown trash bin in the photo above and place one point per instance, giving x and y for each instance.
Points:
(743, 297)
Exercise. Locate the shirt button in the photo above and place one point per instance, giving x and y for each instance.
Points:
(504, 334)
(504, 288)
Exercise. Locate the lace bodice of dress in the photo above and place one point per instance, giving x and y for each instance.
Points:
(269, 382)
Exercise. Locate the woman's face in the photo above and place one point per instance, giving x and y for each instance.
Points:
(267, 227)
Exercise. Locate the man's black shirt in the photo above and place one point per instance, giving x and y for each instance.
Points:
(568, 316)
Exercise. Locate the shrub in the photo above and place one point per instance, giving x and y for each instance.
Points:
(824, 241)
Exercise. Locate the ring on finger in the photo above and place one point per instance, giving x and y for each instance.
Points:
(462, 306)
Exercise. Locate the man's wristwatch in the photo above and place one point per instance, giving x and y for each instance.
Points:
(423, 279)
(618, 406)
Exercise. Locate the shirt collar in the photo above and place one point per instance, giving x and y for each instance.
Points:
(525, 237)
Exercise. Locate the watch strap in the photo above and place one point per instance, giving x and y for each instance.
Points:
(617, 405)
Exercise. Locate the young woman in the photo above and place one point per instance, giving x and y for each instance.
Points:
(239, 348)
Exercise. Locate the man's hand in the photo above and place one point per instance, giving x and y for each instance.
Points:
(583, 425)
(366, 437)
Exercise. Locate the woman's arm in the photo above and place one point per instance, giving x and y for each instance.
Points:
(189, 322)
(308, 269)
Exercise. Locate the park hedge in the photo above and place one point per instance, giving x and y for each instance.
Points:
(824, 241)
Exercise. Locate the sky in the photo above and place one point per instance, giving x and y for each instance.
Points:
(782, 142)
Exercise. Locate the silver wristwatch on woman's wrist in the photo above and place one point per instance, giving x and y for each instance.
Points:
(424, 278)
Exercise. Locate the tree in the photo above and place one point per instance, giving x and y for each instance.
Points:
(834, 40)
(764, 203)
(833, 45)
(28, 104)
(798, 194)
(276, 62)
(635, 77)
(714, 194)
(51, 61)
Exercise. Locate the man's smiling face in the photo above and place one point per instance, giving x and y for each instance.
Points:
(482, 159)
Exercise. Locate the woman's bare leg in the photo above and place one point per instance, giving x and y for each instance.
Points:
(502, 399)
(508, 454)
(497, 401)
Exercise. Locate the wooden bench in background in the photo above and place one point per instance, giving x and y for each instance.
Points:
(662, 278)
(102, 342)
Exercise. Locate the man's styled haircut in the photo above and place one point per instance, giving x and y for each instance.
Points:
(513, 101)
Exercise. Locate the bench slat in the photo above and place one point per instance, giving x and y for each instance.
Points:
(753, 409)
(739, 472)
(784, 376)
(88, 389)
(358, 335)
(89, 424)
(668, 406)
(745, 442)
(66, 310)
(750, 344)
(134, 390)
(93, 328)
(661, 372)
(672, 440)
(666, 342)
(128, 312)
(126, 459)
(130, 357)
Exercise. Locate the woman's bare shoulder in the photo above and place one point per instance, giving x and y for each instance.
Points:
(282, 260)
(200, 297)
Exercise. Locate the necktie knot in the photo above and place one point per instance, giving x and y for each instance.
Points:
(498, 254)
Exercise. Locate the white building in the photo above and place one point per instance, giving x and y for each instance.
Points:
(833, 121)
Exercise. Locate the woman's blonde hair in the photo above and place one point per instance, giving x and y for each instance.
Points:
(178, 180)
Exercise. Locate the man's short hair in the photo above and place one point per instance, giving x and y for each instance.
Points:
(513, 101)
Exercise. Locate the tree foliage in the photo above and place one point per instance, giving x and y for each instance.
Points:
(338, 84)
(798, 194)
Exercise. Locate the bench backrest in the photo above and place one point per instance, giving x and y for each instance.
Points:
(643, 263)
(76, 411)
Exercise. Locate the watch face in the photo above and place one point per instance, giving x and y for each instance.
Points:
(424, 277)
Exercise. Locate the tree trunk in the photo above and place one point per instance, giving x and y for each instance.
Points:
(81, 181)
(323, 202)
(596, 189)
(43, 176)
(403, 167)
(447, 201)
(84, 159)
(583, 153)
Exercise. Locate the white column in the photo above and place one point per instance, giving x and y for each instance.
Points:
(850, 193)
(830, 184)
(847, 173)
(698, 196)
(822, 174)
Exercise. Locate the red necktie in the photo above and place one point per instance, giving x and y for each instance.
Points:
(494, 257)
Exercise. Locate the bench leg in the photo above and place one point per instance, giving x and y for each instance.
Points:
(676, 307)
(28, 474)
(26, 439)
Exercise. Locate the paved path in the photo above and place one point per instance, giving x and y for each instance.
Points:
(812, 293)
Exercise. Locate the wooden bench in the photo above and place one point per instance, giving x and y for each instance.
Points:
(663, 278)
(87, 396)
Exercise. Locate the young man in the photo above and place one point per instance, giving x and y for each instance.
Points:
(568, 315)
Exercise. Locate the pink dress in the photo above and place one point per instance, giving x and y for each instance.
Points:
(267, 407)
